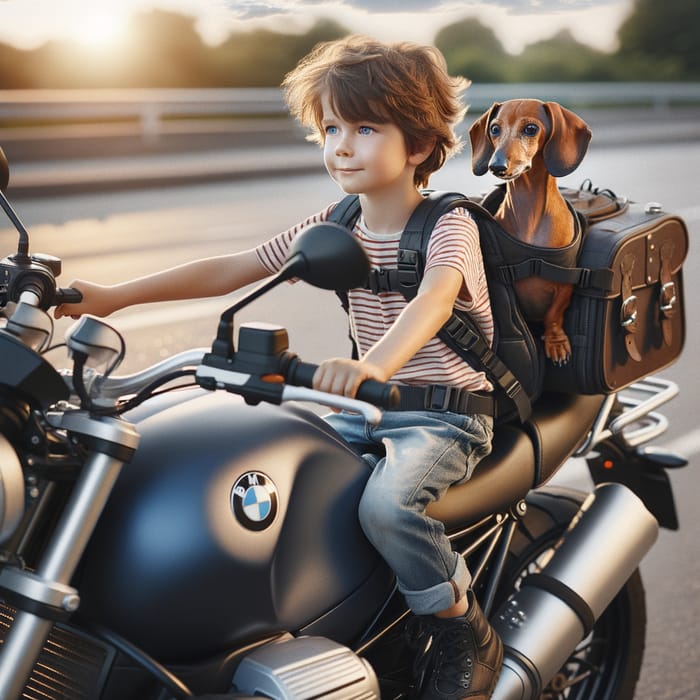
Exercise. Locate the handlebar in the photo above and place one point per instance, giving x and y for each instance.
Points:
(67, 295)
(33, 277)
(371, 391)
(117, 386)
(299, 376)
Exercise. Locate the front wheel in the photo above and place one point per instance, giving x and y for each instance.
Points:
(606, 664)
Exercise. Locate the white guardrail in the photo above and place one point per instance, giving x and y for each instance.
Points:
(151, 106)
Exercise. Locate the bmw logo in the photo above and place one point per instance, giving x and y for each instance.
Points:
(254, 501)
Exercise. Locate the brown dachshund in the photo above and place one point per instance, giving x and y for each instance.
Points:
(528, 144)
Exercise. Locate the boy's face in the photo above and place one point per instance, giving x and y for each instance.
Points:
(365, 157)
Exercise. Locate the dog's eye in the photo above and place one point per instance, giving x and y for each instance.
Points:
(531, 130)
(494, 130)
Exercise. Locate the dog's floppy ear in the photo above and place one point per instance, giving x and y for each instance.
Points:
(482, 148)
(567, 142)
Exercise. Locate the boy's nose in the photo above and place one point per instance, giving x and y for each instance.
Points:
(343, 147)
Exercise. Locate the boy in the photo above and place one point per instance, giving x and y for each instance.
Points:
(385, 117)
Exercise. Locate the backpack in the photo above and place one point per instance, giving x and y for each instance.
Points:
(514, 363)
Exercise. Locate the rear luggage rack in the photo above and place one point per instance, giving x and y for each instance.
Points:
(639, 422)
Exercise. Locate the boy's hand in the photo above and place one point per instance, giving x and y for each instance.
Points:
(97, 300)
(342, 376)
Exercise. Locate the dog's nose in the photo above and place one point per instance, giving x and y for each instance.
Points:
(499, 168)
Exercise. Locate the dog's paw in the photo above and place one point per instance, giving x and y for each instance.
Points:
(558, 349)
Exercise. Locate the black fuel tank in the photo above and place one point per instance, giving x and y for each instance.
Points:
(231, 523)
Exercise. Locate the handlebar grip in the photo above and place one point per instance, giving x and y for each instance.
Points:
(67, 295)
(302, 373)
(380, 394)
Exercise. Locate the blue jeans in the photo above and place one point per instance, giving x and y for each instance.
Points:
(422, 454)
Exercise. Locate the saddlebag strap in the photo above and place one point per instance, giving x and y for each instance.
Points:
(667, 294)
(629, 308)
(439, 397)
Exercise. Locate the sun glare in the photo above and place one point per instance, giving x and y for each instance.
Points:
(100, 31)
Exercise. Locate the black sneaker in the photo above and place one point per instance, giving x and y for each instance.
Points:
(457, 658)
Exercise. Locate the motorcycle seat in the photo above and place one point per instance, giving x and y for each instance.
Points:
(499, 480)
(558, 425)
(523, 457)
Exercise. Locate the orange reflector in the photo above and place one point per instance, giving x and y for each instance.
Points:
(608, 464)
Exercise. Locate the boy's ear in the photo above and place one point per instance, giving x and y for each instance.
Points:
(422, 151)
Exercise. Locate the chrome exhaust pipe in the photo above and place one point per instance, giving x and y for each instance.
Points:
(542, 623)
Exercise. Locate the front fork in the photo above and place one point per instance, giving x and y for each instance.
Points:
(45, 596)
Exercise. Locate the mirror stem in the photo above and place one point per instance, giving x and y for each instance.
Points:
(23, 244)
(223, 343)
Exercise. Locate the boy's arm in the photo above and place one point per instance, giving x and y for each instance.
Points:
(416, 325)
(200, 278)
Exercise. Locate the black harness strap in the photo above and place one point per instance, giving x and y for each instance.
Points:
(581, 277)
(462, 335)
(346, 212)
(555, 264)
(460, 332)
(439, 397)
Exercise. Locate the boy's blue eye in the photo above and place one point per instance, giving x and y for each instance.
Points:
(331, 130)
(365, 130)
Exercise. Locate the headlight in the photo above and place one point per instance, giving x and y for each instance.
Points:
(11, 489)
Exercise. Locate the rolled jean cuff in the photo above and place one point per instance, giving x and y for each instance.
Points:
(441, 596)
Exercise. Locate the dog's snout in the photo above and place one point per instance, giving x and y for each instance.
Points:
(498, 166)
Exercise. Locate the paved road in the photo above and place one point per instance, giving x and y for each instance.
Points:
(109, 236)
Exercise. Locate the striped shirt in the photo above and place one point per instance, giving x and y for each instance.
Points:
(454, 242)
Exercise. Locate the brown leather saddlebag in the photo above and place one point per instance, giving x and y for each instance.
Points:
(626, 318)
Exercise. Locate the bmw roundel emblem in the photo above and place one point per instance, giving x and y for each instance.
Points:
(254, 500)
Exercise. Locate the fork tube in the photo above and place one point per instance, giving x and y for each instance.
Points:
(28, 632)
(19, 652)
(79, 518)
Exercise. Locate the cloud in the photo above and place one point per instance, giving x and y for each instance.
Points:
(516, 23)
(261, 8)
(248, 9)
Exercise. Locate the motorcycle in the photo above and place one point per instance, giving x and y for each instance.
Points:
(190, 530)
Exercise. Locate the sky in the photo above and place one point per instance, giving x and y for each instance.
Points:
(101, 23)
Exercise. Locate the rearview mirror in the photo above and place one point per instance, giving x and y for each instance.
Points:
(324, 255)
(328, 256)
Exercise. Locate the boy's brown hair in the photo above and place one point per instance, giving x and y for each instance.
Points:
(405, 84)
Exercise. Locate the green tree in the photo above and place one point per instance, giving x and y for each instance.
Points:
(659, 40)
(15, 72)
(58, 64)
(472, 50)
(560, 59)
(165, 50)
(262, 58)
